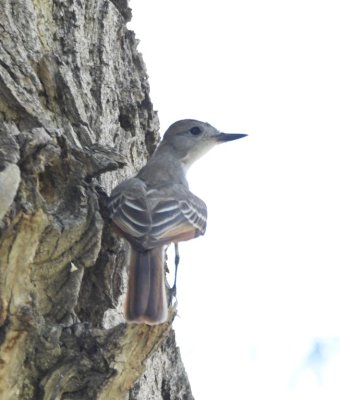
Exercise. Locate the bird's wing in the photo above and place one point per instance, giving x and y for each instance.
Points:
(151, 218)
(178, 219)
(129, 209)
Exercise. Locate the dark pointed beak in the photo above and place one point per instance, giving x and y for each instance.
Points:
(227, 137)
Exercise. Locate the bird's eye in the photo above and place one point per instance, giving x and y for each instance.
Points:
(195, 130)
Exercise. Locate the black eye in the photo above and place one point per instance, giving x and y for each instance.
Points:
(195, 130)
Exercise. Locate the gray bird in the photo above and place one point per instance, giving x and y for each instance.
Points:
(156, 208)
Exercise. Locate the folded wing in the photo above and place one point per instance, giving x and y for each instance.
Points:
(153, 218)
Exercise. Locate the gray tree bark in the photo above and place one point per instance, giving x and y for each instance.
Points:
(75, 119)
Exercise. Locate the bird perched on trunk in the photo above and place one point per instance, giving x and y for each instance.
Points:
(156, 208)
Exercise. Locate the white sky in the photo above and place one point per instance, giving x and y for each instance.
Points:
(264, 281)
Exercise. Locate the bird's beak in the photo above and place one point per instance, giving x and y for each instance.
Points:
(227, 137)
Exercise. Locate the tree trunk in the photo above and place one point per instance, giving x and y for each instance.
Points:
(74, 106)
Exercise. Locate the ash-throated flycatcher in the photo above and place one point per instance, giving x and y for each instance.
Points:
(156, 208)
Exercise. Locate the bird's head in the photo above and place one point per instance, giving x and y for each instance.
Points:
(191, 139)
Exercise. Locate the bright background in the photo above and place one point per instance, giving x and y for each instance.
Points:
(259, 294)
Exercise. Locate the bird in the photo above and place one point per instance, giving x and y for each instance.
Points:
(156, 208)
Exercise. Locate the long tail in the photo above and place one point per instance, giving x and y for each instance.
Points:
(146, 299)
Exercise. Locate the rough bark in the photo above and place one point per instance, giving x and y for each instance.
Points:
(75, 119)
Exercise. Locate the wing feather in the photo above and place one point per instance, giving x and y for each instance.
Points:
(187, 213)
(155, 217)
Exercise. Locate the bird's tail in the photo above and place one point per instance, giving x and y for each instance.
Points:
(146, 299)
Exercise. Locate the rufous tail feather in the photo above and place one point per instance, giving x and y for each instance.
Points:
(146, 298)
